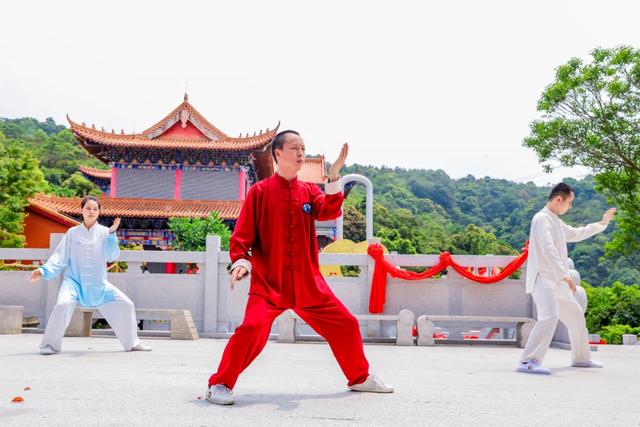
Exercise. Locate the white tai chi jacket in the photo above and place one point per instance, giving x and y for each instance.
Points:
(548, 248)
(83, 255)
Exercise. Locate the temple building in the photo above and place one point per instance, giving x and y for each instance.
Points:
(182, 166)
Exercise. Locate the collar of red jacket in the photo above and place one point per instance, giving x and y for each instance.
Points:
(284, 182)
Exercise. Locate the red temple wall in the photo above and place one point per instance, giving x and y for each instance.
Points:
(177, 131)
(37, 229)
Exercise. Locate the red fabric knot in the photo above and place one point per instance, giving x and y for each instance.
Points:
(375, 251)
(445, 257)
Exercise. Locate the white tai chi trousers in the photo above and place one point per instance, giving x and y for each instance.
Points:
(120, 314)
(552, 307)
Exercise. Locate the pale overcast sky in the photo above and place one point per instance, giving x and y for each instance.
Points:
(435, 85)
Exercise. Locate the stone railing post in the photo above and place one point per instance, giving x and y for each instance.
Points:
(210, 290)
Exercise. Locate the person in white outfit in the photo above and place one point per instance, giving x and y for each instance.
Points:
(82, 255)
(549, 281)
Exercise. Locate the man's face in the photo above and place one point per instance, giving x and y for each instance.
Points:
(292, 154)
(565, 204)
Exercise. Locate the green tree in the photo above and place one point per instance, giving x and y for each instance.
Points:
(20, 178)
(474, 240)
(354, 226)
(591, 117)
(191, 233)
(60, 155)
(78, 185)
(24, 127)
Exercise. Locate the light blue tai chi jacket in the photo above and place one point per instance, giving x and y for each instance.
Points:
(83, 255)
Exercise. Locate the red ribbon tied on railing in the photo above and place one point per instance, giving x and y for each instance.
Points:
(383, 267)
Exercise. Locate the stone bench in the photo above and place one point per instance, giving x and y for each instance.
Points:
(404, 325)
(182, 325)
(11, 319)
(425, 325)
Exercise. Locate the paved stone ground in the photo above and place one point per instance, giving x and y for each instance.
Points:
(93, 382)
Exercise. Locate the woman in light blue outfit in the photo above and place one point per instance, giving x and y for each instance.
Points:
(82, 255)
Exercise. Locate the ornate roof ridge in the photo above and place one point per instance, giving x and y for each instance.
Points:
(226, 143)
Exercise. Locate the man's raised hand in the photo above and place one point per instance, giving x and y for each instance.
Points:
(334, 170)
(607, 216)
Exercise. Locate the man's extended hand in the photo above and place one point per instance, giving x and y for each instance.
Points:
(237, 274)
(334, 170)
(571, 284)
(607, 216)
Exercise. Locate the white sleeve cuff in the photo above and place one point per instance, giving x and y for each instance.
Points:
(242, 263)
(331, 188)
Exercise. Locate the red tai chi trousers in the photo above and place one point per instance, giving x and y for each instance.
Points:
(331, 320)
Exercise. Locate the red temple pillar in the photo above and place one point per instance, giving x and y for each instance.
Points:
(114, 182)
(178, 185)
(242, 185)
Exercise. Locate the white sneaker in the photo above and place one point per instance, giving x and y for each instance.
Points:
(140, 347)
(531, 367)
(47, 350)
(589, 364)
(372, 384)
(220, 395)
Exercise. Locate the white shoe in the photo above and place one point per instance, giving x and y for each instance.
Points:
(372, 384)
(589, 364)
(531, 367)
(220, 395)
(141, 347)
(47, 350)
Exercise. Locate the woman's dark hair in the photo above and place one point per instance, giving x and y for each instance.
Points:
(563, 190)
(85, 199)
(278, 141)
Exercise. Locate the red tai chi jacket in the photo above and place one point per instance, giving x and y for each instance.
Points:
(276, 234)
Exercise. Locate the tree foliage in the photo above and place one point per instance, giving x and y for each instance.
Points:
(190, 234)
(20, 178)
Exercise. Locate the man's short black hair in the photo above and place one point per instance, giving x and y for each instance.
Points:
(278, 141)
(562, 189)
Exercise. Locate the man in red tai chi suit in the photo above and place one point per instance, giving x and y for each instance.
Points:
(275, 240)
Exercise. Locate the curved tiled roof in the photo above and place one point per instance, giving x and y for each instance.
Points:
(95, 172)
(50, 213)
(208, 136)
(89, 136)
(142, 208)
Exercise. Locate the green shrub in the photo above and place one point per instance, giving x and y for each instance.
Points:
(600, 309)
(615, 305)
(626, 305)
(612, 334)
